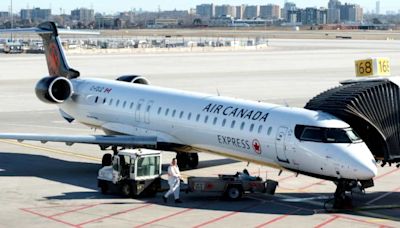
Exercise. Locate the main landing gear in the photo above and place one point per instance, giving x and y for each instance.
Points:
(187, 160)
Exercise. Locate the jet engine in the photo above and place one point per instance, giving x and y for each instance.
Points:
(134, 79)
(54, 89)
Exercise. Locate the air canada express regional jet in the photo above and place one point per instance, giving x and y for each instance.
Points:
(133, 113)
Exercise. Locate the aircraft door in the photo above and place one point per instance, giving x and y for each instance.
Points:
(139, 108)
(147, 111)
(280, 144)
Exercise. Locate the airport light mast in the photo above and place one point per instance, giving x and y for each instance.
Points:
(12, 18)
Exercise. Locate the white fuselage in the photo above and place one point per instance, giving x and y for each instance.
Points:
(246, 130)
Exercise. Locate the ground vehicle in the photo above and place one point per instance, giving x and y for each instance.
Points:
(132, 173)
(232, 186)
(12, 47)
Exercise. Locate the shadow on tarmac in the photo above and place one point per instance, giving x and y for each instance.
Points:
(83, 174)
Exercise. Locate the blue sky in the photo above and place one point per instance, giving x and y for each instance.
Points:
(123, 5)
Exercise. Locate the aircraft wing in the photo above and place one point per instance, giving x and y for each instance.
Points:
(102, 140)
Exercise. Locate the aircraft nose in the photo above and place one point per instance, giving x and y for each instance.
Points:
(367, 170)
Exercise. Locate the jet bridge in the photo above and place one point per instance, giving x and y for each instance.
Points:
(372, 108)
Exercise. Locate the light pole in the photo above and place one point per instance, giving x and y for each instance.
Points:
(12, 19)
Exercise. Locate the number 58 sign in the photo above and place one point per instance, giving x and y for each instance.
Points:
(373, 67)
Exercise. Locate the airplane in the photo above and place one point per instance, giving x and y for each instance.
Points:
(132, 113)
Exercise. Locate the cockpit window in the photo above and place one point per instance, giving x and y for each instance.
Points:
(336, 135)
(312, 134)
(353, 135)
(326, 135)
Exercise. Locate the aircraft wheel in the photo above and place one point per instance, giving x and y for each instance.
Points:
(106, 160)
(193, 160)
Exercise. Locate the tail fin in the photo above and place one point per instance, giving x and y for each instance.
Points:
(56, 61)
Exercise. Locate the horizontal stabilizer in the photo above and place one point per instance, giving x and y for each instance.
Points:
(47, 31)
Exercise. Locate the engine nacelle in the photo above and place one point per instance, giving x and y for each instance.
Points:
(54, 89)
(134, 79)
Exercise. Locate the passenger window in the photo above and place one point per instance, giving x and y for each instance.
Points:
(97, 99)
(181, 115)
(260, 129)
(124, 104)
(189, 116)
(173, 113)
(139, 106)
(215, 120)
(111, 101)
(251, 127)
(233, 124)
(223, 122)
(198, 117)
(159, 110)
(116, 104)
(131, 106)
(104, 100)
(167, 111)
(205, 119)
(148, 108)
(242, 126)
(269, 131)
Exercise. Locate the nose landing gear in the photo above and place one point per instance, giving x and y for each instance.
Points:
(341, 200)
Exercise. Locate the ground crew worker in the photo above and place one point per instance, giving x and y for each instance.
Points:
(174, 181)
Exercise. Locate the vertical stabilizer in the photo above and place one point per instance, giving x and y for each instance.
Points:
(56, 61)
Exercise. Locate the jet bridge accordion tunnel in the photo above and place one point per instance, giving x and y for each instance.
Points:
(372, 109)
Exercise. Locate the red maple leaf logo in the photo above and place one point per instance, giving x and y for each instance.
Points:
(53, 58)
(256, 146)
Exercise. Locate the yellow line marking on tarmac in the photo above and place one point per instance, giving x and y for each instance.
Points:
(56, 151)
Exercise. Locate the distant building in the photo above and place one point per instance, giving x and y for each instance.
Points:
(35, 14)
(347, 13)
(205, 10)
(4, 14)
(289, 6)
(334, 11)
(104, 21)
(351, 13)
(251, 12)
(163, 23)
(378, 7)
(224, 10)
(294, 16)
(270, 11)
(314, 16)
(221, 21)
(83, 15)
(174, 14)
(240, 11)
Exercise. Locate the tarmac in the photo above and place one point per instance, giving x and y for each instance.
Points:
(53, 185)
